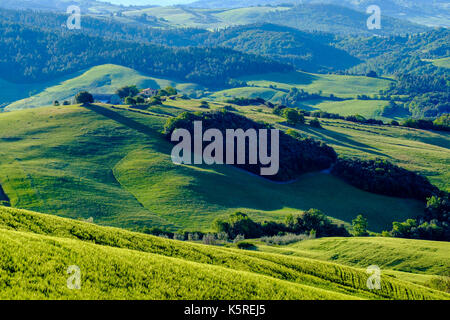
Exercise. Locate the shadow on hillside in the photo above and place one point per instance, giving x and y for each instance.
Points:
(342, 140)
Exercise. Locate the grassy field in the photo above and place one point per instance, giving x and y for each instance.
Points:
(101, 79)
(340, 86)
(37, 249)
(405, 255)
(113, 165)
(443, 63)
(366, 108)
(206, 18)
(274, 86)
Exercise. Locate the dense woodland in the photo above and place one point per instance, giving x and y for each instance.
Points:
(297, 156)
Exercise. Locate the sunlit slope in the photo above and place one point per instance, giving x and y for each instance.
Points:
(115, 166)
(406, 255)
(341, 86)
(114, 263)
(100, 79)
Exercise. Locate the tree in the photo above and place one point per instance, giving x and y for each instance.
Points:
(140, 100)
(360, 225)
(293, 117)
(171, 91)
(56, 103)
(372, 74)
(130, 101)
(315, 123)
(154, 101)
(84, 97)
(127, 91)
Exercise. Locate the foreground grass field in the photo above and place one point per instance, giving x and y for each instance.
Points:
(37, 249)
(113, 165)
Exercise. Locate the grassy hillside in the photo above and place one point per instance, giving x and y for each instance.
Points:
(37, 249)
(406, 255)
(341, 86)
(322, 17)
(443, 63)
(101, 79)
(417, 150)
(113, 165)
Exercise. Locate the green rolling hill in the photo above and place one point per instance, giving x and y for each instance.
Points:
(114, 165)
(37, 249)
(101, 79)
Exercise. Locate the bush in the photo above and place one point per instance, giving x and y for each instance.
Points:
(285, 239)
(246, 245)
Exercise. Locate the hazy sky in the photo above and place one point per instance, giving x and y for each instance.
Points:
(149, 2)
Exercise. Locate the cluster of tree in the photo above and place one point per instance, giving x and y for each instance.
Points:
(327, 115)
(428, 94)
(311, 221)
(297, 156)
(434, 224)
(440, 124)
(397, 54)
(382, 177)
(242, 101)
(130, 95)
(295, 96)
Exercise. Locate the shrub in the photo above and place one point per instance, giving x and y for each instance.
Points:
(246, 245)
(285, 239)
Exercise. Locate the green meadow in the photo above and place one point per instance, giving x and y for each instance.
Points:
(339, 85)
(37, 250)
(112, 164)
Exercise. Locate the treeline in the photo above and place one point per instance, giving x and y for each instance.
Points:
(312, 221)
(382, 177)
(434, 224)
(297, 156)
(35, 55)
(439, 124)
